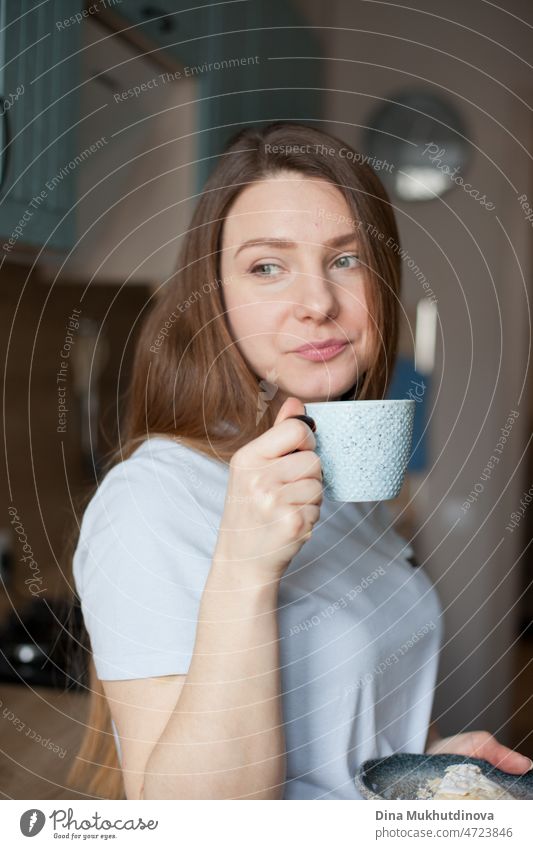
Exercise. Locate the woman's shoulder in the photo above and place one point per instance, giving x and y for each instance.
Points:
(159, 456)
(146, 509)
(157, 483)
(161, 450)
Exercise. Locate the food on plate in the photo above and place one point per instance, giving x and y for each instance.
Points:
(463, 781)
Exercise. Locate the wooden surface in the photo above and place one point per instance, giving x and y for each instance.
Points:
(28, 769)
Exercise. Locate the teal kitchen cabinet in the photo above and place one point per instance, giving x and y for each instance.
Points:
(39, 81)
(254, 62)
(251, 62)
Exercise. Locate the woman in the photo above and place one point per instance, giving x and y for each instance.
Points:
(253, 640)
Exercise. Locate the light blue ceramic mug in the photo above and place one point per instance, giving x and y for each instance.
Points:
(364, 447)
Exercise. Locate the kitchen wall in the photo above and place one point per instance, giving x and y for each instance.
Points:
(479, 265)
(46, 472)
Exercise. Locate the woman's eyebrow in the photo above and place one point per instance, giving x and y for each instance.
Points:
(336, 242)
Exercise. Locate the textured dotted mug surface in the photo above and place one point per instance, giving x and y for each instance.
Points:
(364, 447)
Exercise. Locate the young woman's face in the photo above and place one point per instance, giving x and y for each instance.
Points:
(291, 277)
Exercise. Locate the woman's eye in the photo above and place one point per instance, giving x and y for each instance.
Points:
(265, 269)
(348, 261)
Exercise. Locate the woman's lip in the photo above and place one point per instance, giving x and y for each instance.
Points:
(320, 354)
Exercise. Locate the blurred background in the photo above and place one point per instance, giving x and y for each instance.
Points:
(112, 115)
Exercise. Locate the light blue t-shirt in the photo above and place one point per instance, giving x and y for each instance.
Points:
(360, 626)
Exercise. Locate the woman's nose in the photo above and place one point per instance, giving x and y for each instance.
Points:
(314, 296)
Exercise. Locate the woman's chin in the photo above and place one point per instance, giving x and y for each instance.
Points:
(311, 393)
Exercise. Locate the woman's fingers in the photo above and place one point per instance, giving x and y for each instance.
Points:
(273, 496)
(488, 748)
(302, 492)
(304, 465)
(288, 435)
(482, 744)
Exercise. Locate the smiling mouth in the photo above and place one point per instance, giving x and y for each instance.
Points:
(321, 354)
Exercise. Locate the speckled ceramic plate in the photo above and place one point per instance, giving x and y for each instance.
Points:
(401, 776)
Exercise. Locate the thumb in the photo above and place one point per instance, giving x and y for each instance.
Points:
(291, 407)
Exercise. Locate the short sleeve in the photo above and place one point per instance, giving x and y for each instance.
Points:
(141, 563)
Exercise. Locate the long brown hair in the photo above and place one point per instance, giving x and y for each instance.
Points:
(178, 351)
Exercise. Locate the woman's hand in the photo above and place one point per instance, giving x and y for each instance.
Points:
(481, 744)
(273, 498)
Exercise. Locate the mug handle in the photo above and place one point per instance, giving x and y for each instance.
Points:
(308, 421)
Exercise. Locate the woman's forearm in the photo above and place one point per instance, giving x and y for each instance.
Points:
(224, 739)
